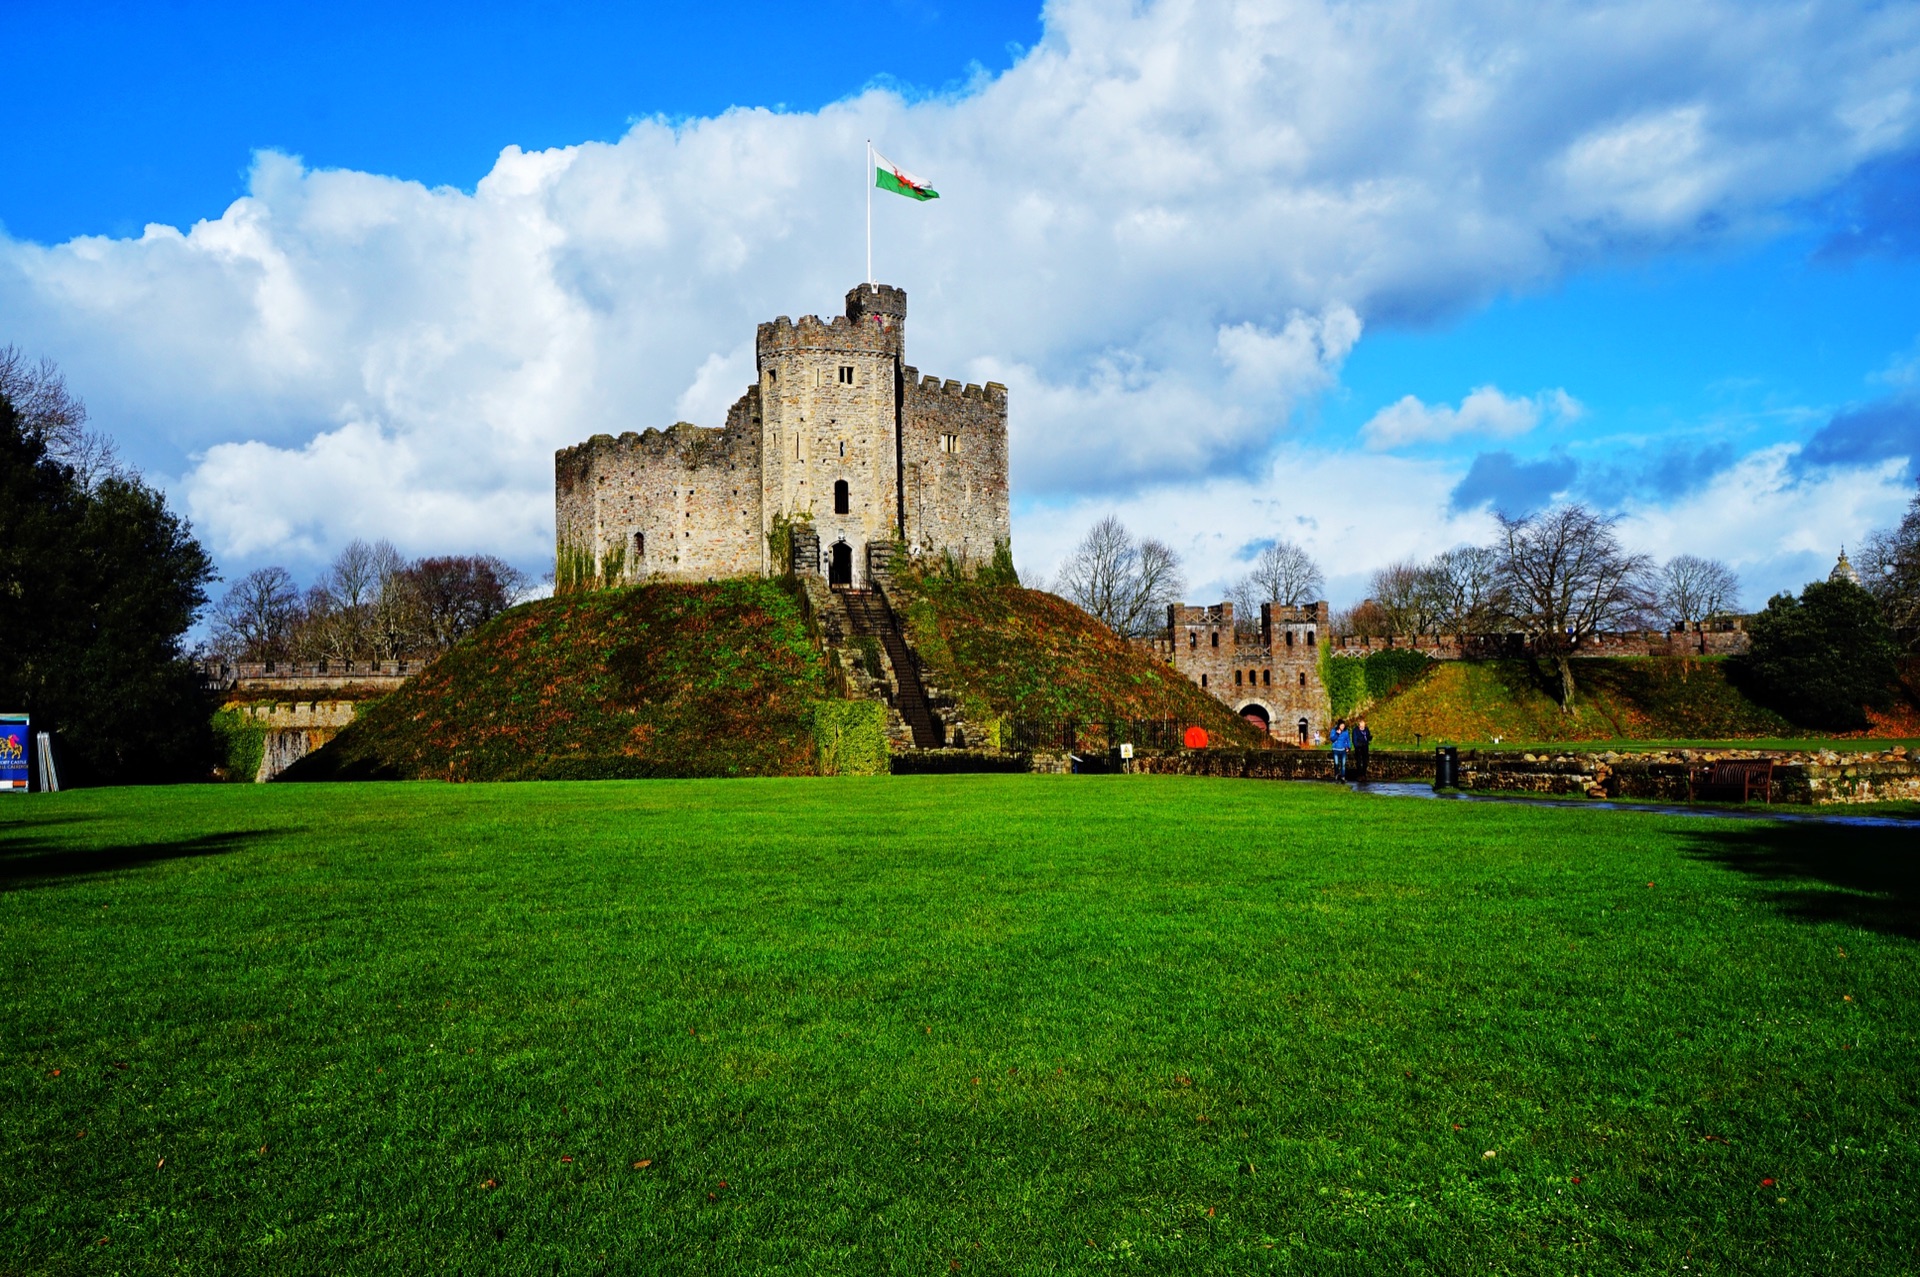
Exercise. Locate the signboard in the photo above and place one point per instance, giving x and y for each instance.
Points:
(13, 753)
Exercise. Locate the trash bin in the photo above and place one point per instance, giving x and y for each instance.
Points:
(1446, 767)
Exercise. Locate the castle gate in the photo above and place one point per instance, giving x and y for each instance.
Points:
(840, 569)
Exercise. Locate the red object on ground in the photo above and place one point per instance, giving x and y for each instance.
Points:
(1196, 738)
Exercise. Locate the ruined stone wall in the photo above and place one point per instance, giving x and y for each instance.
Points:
(831, 391)
(953, 456)
(1276, 669)
(682, 503)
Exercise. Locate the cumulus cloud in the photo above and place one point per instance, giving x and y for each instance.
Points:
(1163, 228)
(1484, 414)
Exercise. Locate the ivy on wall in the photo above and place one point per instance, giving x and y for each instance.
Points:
(850, 738)
(243, 743)
(1355, 682)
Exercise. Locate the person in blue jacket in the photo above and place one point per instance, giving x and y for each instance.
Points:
(1342, 742)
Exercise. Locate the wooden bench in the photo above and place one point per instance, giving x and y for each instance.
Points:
(1733, 779)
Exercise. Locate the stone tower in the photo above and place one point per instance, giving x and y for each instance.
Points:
(837, 432)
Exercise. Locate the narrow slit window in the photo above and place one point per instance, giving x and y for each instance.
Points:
(1266, 677)
(1203, 679)
(1303, 680)
(639, 545)
(1216, 638)
(1236, 678)
(840, 497)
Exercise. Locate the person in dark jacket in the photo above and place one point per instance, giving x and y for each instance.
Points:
(1362, 742)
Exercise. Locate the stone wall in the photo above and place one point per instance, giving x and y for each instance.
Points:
(682, 503)
(831, 392)
(820, 434)
(1817, 778)
(953, 462)
(1727, 641)
(294, 729)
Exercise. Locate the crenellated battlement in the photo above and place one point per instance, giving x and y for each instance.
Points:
(834, 429)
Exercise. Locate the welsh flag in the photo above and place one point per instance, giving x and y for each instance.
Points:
(889, 176)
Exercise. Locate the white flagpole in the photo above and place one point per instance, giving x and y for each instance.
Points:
(869, 212)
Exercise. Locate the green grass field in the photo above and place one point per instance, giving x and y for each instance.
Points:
(923, 1025)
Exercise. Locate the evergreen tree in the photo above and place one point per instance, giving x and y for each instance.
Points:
(99, 583)
(1822, 658)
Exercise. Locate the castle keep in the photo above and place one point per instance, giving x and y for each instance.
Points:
(839, 441)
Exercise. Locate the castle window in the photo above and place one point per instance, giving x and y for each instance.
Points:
(639, 545)
(1303, 680)
(1203, 680)
(1193, 640)
(1309, 638)
(1216, 638)
(843, 447)
(840, 502)
(846, 374)
(949, 443)
(1266, 676)
(771, 372)
(1289, 638)
(1236, 678)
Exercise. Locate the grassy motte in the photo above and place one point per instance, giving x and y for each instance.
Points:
(1618, 699)
(1008, 651)
(1018, 1024)
(657, 680)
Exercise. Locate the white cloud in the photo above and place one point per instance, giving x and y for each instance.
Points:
(1162, 228)
(1485, 414)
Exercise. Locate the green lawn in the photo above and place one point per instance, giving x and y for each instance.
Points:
(920, 1025)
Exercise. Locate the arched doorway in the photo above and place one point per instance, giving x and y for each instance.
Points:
(842, 502)
(1256, 714)
(1303, 731)
(840, 567)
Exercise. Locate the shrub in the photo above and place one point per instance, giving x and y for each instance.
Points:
(1822, 658)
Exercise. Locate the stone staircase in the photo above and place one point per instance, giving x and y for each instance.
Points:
(870, 617)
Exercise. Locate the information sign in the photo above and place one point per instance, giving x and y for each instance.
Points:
(13, 753)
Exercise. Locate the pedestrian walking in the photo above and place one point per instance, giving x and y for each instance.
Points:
(1342, 742)
(1362, 742)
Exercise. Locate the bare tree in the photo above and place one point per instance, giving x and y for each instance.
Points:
(1284, 573)
(1403, 592)
(1463, 588)
(256, 618)
(1890, 569)
(1691, 589)
(1120, 581)
(56, 417)
(1365, 619)
(457, 594)
(1567, 578)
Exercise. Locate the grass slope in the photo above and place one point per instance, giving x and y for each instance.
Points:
(658, 680)
(716, 1027)
(1617, 699)
(1034, 655)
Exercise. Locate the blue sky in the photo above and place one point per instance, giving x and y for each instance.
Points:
(1351, 276)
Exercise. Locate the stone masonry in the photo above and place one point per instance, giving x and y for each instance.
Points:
(839, 435)
(1272, 675)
